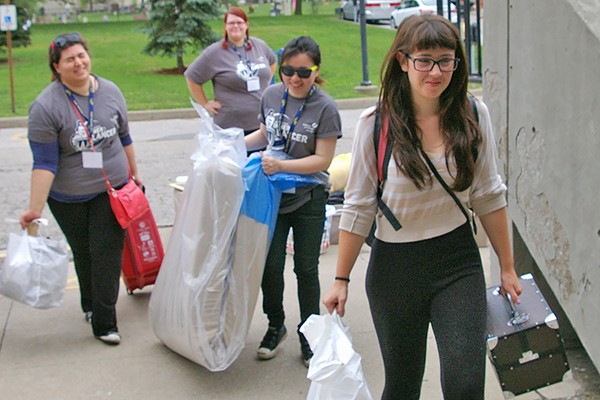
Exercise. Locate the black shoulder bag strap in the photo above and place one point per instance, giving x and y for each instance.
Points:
(444, 184)
(384, 168)
(474, 107)
(386, 160)
(450, 192)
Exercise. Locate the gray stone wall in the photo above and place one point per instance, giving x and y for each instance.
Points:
(541, 62)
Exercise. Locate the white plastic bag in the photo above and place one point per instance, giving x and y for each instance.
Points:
(35, 270)
(335, 369)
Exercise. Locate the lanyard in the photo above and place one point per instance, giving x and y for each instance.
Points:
(90, 121)
(296, 117)
(245, 60)
(79, 112)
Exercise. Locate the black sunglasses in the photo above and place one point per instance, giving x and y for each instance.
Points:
(303, 73)
(62, 40)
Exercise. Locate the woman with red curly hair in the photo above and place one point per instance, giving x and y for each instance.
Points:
(240, 67)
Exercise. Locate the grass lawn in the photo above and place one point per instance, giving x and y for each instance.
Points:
(116, 55)
(116, 47)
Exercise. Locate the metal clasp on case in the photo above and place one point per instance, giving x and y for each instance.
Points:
(517, 318)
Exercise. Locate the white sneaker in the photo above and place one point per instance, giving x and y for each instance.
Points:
(112, 337)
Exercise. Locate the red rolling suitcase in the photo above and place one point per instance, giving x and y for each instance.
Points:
(143, 253)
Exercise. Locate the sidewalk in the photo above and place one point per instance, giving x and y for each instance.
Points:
(51, 354)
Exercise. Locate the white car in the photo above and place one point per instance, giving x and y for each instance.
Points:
(419, 7)
(375, 10)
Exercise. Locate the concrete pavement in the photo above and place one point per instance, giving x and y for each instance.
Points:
(51, 354)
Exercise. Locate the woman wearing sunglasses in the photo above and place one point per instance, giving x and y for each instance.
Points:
(297, 117)
(240, 68)
(428, 271)
(77, 127)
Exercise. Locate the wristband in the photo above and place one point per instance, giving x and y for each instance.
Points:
(341, 278)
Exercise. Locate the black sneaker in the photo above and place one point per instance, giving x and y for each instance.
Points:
(270, 344)
(305, 348)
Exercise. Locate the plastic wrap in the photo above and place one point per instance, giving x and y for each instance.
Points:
(206, 290)
(256, 225)
(186, 308)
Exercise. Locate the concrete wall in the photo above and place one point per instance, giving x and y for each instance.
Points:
(541, 67)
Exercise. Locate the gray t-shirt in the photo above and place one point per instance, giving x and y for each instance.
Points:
(229, 75)
(319, 119)
(52, 118)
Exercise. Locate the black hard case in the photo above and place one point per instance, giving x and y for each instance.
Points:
(527, 355)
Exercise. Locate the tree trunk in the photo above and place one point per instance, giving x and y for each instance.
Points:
(298, 7)
(180, 65)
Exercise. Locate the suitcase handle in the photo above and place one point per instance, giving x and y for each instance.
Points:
(517, 318)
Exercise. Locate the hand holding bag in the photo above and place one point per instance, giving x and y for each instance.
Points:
(35, 269)
(335, 369)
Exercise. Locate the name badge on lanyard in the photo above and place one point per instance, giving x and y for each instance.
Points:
(253, 84)
(252, 81)
(91, 159)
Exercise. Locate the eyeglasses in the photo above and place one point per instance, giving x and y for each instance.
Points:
(235, 23)
(427, 64)
(303, 73)
(62, 40)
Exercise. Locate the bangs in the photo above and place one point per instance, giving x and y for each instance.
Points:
(430, 35)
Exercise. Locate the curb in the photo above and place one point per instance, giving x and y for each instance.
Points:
(185, 113)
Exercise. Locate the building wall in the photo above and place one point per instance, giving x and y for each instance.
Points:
(541, 62)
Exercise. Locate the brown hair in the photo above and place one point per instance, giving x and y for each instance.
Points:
(238, 12)
(459, 127)
(60, 43)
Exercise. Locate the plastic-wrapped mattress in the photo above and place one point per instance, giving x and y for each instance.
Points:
(204, 297)
(192, 301)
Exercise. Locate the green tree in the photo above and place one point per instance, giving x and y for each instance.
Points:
(175, 24)
(20, 37)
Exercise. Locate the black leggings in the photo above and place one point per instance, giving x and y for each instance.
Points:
(438, 281)
(97, 241)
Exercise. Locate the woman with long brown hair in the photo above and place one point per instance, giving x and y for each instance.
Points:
(426, 269)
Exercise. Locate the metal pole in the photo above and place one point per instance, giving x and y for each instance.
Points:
(10, 64)
(363, 44)
(440, 7)
(468, 35)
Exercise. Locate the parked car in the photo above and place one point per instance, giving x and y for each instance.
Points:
(375, 10)
(419, 7)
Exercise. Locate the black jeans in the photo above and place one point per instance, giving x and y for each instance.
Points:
(438, 281)
(97, 241)
(307, 223)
